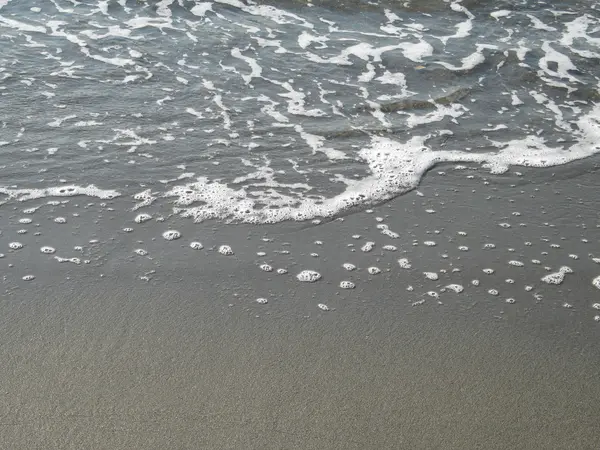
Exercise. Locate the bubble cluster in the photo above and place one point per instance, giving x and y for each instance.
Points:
(347, 285)
(308, 276)
(171, 235)
(225, 250)
(195, 245)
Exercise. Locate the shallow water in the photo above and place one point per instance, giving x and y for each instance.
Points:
(261, 113)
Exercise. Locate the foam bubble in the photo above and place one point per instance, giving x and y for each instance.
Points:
(493, 291)
(141, 218)
(196, 245)
(47, 250)
(282, 271)
(323, 307)
(516, 263)
(429, 243)
(261, 301)
(25, 220)
(475, 282)
(349, 267)
(21, 231)
(29, 277)
(15, 245)
(140, 252)
(390, 248)
(171, 235)
(510, 300)
(266, 268)
(60, 220)
(404, 263)
(431, 275)
(488, 271)
(596, 282)
(456, 288)
(374, 270)
(368, 246)
(308, 276)
(557, 277)
(463, 248)
(225, 250)
(347, 285)
(127, 229)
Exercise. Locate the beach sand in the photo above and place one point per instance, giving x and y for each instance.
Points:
(189, 360)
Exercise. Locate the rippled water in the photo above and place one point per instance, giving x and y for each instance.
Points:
(251, 112)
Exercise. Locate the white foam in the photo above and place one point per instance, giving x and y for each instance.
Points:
(431, 275)
(195, 245)
(323, 307)
(47, 250)
(171, 235)
(261, 301)
(62, 191)
(141, 218)
(368, 246)
(29, 277)
(404, 263)
(456, 288)
(282, 271)
(225, 250)
(266, 268)
(15, 245)
(596, 283)
(374, 270)
(347, 285)
(349, 267)
(308, 276)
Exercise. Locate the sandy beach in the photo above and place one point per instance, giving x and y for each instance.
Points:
(189, 360)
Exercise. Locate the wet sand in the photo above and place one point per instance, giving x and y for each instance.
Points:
(189, 360)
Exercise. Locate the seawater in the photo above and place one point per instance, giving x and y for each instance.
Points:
(253, 112)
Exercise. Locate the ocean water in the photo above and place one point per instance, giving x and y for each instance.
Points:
(270, 112)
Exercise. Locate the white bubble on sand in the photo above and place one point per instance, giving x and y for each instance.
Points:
(141, 218)
(596, 260)
(196, 245)
(127, 230)
(308, 276)
(567, 305)
(463, 248)
(374, 270)
(596, 282)
(60, 220)
(488, 271)
(282, 271)
(22, 232)
(266, 268)
(573, 256)
(504, 225)
(323, 307)
(429, 243)
(368, 246)
(489, 246)
(462, 233)
(456, 288)
(404, 263)
(510, 300)
(475, 282)
(314, 255)
(493, 291)
(318, 242)
(347, 285)
(431, 275)
(433, 294)
(349, 267)
(390, 248)
(596, 306)
(71, 260)
(225, 250)
(510, 281)
(140, 252)
(262, 301)
(516, 263)
(529, 288)
(171, 235)
(29, 277)
(557, 277)
(48, 250)
(261, 254)
(536, 261)
(25, 220)
(15, 245)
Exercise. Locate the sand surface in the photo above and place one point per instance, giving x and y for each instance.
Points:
(189, 360)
